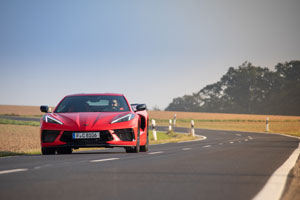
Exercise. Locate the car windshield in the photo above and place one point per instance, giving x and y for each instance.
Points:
(87, 103)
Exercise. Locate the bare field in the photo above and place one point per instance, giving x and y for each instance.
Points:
(238, 122)
(217, 116)
(20, 110)
(290, 127)
(19, 138)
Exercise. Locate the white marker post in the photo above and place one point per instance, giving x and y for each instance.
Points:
(170, 126)
(153, 130)
(192, 131)
(267, 125)
(174, 120)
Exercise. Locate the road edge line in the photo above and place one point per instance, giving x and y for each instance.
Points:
(274, 187)
(103, 160)
(12, 171)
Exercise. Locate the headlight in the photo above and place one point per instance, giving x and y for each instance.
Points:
(52, 120)
(123, 118)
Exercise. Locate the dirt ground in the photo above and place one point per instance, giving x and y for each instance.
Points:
(19, 138)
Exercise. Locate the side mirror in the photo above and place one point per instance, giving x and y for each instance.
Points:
(133, 106)
(141, 107)
(44, 109)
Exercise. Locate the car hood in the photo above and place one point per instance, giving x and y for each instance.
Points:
(88, 120)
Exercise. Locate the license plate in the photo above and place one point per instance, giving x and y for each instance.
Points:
(86, 135)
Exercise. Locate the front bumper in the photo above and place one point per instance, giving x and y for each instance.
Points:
(108, 138)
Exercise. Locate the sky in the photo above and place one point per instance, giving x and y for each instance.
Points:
(149, 50)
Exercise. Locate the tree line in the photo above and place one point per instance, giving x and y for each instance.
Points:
(248, 89)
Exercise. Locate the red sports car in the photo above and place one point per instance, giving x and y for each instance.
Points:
(94, 120)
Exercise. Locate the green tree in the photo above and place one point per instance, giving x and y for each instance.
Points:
(285, 95)
(186, 103)
(248, 89)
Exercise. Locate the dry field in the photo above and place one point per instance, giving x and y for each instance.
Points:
(239, 122)
(20, 110)
(217, 116)
(19, 138)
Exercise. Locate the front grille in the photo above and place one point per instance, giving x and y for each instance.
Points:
(49, 136)
(125, 134)
(67, 137)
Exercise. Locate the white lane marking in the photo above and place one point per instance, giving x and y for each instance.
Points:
(231, 142)
(246, 140)
(238, 134)
(220, 143)
(275, 185)
(201, 137)
(103, 160)
(185, 149)
(206, 146)
(39, 167)
(157, 152)
(12, 171)
(251, 138)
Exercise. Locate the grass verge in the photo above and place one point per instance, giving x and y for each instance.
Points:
(23, 116)
(10, 153)
(172, 137)
(17, 122)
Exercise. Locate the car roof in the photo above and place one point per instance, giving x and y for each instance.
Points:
(95, 94)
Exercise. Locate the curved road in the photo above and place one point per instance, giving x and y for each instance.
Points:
(227, 165)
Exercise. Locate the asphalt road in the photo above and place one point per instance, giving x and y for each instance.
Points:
(227, 165)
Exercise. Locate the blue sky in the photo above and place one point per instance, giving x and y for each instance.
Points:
(151, 50)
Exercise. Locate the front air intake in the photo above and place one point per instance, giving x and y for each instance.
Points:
(49, 136)
(125, 134)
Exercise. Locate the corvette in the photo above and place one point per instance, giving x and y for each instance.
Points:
(94, 120)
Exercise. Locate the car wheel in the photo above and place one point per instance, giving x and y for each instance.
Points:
(129, 150)
(48, 151)
(146, 147)
(136, 149)
(64, 151)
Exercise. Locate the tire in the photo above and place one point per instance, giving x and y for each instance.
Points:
(136, 149)
(48, 151)
(64, 151)
(146, 147)
(128, 150)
